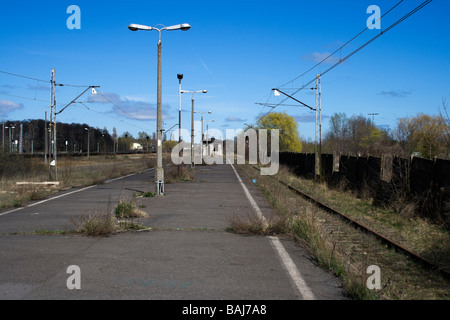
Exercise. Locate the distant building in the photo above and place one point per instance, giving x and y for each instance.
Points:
(136, 146)
(213, 148)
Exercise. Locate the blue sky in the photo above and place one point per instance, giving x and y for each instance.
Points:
(237, 50)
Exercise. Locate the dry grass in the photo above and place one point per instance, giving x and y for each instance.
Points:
(72, 173)
(172, 175)
(97, 224)
(128, 210)
(397, 223)
(103, 223)
(79, 172)
(345, 251)
(252, 224)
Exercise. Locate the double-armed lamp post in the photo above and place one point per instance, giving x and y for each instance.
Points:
(192, 122)
(159, 167)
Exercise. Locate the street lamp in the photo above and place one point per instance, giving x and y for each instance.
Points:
(207, 137)
(159, 168)
(201, 145)
(180, 77)
(192, 122)
(10, 140)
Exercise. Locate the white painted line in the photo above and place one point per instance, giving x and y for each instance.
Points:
(46, 200)
(60, 196)
(67, 194)
(292, 269)
(11, 211)
(290, 266)
(112, 180)
(130, 175)
(249, 196)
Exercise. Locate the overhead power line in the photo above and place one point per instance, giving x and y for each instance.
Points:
(41, 80)
(118, 107)
(341, 47)
(393, 25)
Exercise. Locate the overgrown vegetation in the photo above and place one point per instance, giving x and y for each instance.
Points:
(102, 223)
(174, 174)
(97, 224)
(342, 249)
(128, 210)
(16, 166)
(72, 172)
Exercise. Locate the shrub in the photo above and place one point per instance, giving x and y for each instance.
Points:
(96, 225)
(127, 210)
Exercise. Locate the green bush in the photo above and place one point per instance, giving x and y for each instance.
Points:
(124, 210)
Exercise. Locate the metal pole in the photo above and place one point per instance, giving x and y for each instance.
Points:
(3, 135)
(320, 127)
(21, 139)
(192, 133)
(159, 168)
(180, 77)
(54, 125)
(89, 139)
(46, 139)
(207, 140)
(201, 146)
(315, 138)
(10, 146)
(51, 135)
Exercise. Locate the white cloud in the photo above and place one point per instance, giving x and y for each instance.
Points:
(395, 93)
(308, 117)
(320, 56)
(234, 119)
(7, 106)
(131, 107)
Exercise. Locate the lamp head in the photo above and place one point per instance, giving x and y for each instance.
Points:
(182, 27)
(136, 27)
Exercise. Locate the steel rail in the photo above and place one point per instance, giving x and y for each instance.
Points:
(390, 243)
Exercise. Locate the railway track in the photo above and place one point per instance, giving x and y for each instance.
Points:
(388, 242)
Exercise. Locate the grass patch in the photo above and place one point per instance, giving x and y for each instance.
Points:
(103, 224)
(252, 224)
(96, 225)
(73, 172)
(131, 225)
(172, 174)
(52, 232)
(427, 239)
(340, 248)
(127, 210)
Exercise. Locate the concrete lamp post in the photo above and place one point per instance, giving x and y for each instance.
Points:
(159, 168)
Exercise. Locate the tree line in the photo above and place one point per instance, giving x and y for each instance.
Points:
(29, 136)
(425, 136)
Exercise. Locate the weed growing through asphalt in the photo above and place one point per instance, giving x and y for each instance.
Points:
(97, 224)
(128, 210)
